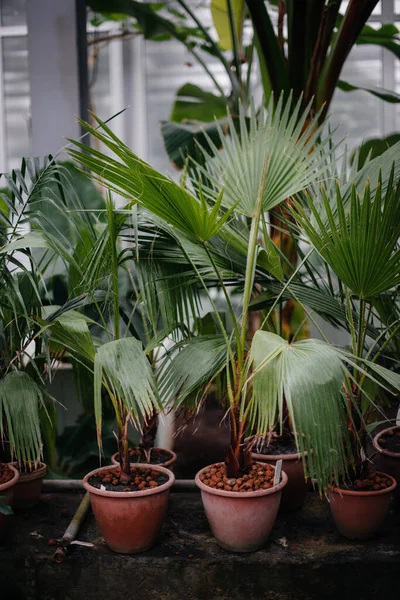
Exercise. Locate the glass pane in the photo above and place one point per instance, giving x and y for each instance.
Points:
(13, 12)
(359, 114)
(16, 99)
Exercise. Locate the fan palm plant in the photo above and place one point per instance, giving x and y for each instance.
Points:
(277, 157)
(358, 237)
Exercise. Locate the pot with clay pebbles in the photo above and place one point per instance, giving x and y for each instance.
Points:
(284, 448)
(241, 510)
(387, 458)
(129, 509)
(9, 476)
(359, 509)
(27, 491)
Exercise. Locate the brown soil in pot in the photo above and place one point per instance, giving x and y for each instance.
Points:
(257, 477)
(283, 444)
(371, 483)
(6, 474)
(390, 440)
(157, 456)
(140, 479)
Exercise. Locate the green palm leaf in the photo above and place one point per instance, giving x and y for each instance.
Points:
(190, 367)
(137, 181)
(123, 368)
(360, 244)
(20, 401)
(311, 377)
(284, 138)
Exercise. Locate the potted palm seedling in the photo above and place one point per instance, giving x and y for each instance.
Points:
(356, 230)
(129, 501)
(275, 157)
(21, 380)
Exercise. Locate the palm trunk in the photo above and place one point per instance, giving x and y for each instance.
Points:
(150, 427)
(238, 456)
(123, 453)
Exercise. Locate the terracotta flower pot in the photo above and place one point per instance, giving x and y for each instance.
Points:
(241, 521)
(168, 464)
(6, 497)
(359, 515)
(130, 521)
(295, 492)
(387, 461)
(27, 490)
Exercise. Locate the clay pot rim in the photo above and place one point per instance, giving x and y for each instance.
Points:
(13, 481)
(39, 473)
(135, 494)
(242, 495)
(375, 442)
(164, 464)
(267, 457)
(342, 492)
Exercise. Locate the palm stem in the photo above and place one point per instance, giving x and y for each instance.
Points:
(228, 301)
(251, 261)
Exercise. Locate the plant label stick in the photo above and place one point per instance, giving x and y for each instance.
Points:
(278, 469)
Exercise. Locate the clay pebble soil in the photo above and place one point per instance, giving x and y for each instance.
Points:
(258, 477)
(140, 479)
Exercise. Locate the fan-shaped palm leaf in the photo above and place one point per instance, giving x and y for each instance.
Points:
(361, 245)
(312, 377)
(284, 138)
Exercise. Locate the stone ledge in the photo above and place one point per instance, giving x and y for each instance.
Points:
(304, 559)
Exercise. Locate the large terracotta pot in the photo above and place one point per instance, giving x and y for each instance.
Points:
(241, 521)
(6, 496)
(295, 492)
(387, 461)
(359, 515)
(168, 464)
(27, 490)
(130, 521)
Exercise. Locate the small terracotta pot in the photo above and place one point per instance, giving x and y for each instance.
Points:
(295, 492)
(168, 464)
(387, 461)
(130, 521)
(241, 521)
(6, 497)
(27, 491)
(359, 515)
